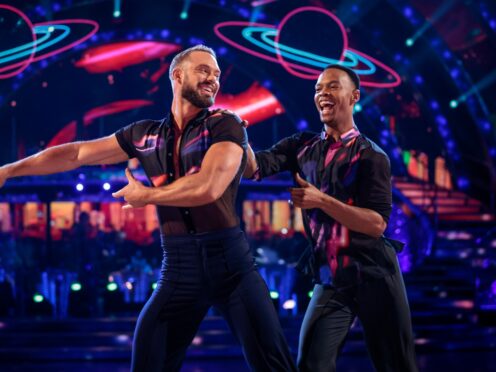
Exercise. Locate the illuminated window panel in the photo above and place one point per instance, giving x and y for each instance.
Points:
(5, 220)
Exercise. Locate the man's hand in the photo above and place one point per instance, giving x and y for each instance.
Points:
(134, 193)
(3, 176)
(307, 196)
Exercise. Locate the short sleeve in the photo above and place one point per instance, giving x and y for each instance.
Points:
(229, 128)
(279, 158)
(136, 135)
(374, 183)
(125, 139)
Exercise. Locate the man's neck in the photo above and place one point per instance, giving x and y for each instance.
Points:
(183, 111)
(336, 130)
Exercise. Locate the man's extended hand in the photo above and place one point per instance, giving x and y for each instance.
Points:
(3, 176)
(307, 196)
(133, 193)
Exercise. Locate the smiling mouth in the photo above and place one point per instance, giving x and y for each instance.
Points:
(326, 106)
(207, 89)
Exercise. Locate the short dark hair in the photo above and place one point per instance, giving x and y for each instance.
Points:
(352, 74)
(180, 57)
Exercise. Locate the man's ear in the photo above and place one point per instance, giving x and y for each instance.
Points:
(355, 96)
(177, 74)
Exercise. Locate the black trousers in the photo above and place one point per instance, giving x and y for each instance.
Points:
(382, 307)
(213, 269)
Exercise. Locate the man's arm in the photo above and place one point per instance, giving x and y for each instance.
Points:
(66, 157)
(251, 164)
(218, 169)
(362, 220)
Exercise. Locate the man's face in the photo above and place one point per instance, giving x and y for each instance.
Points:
(335, 95)
(201, 79)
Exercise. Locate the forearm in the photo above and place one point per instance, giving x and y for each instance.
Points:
(188, 191)
(53, 160)
(356, 219)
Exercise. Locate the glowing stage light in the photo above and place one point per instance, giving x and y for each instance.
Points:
(442, 10)
(453, 103)
(79, 187)
(154, 285)
(117, 8)
(310, 294)
(111, 287)
(358, 107)
(274, 295)
(106, 186)
(38, 298)
(75, 287)
(289, 304)
(184, 12)
(476, 88)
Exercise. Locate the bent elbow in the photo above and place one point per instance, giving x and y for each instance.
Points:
(210, 195)
(379, 228)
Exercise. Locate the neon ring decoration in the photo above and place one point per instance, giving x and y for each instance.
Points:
(48, 39)
(277, 44)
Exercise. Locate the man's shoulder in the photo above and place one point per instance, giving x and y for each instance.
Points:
(223, 116)
(370, 149)
(145, 125)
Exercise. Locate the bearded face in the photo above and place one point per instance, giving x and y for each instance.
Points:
(201, 94)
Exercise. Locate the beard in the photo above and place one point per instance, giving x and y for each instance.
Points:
(192, 95)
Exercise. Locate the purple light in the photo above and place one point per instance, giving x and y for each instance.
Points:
(165, 33)
(492, 24)
(450, 144)
(463, 183)
(355, 8)
(447, 54)
(441, 120)
(244, 12)
(79, 187)
(302, 124)
(408, 12)
(222, 51)
(492, 151)
(486, 125)
(419, 79)
(106, 186)
(384, 133)
(455, 73)
(267, 84)
(434, 105)
(398, 57)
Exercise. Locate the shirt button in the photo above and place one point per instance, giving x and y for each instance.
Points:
(171, 174)
(170, 154)
(186, 212)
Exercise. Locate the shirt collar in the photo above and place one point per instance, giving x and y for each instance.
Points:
(344, 137)
(168, 120)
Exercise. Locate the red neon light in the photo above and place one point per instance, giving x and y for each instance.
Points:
(116, 56)
(68, 132)
(254, 105)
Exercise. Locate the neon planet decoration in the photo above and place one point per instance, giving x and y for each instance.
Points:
(48, 39)
(265, 41)
(116, 56)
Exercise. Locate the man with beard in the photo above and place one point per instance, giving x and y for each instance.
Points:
(344, 191)
(195, 159)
